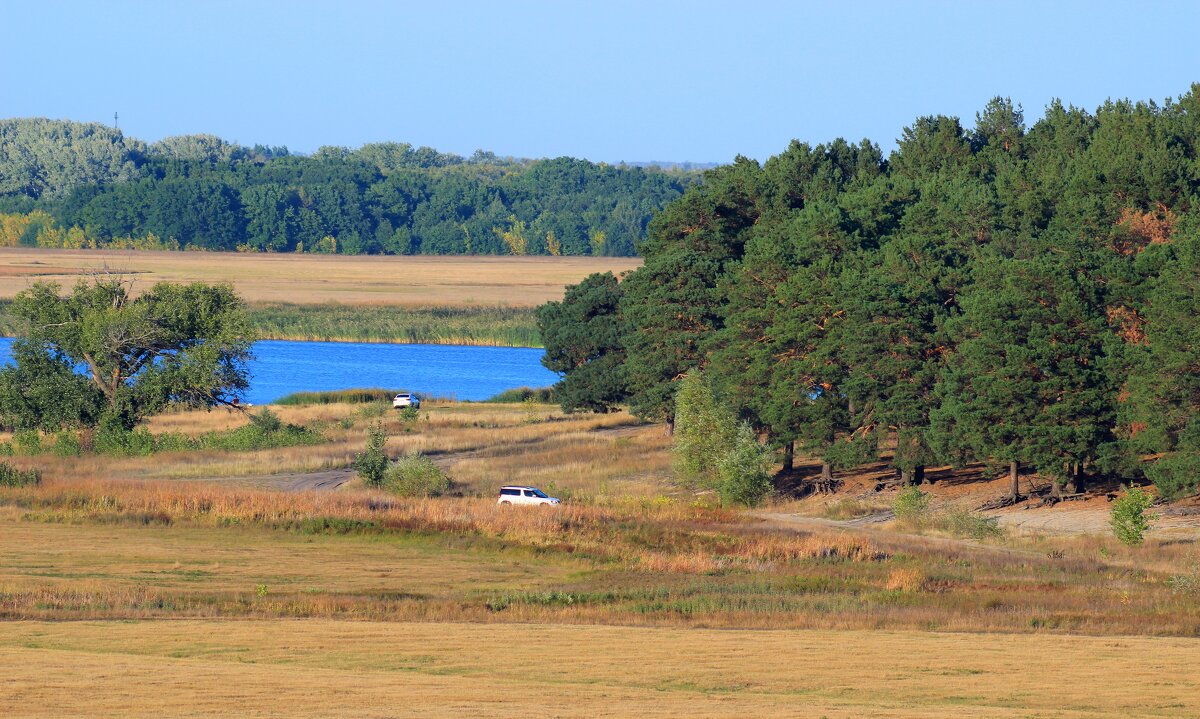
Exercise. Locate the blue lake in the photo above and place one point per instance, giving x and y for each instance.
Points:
(465, 373)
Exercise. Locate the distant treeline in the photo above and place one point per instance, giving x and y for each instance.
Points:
(67, 184)
(1012, 295)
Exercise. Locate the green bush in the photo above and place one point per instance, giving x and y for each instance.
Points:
(1128, 519)
(705, 430)
(67, 444)
(10, 476)
(27, 442)
(410, 414)
(744, 470)
(912, 507)
(1176, 475)
(415, 475)
(963, 523)
(372, 463)
(265, 431)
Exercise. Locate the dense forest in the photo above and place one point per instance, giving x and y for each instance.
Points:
(66, 184)
(1021, 296)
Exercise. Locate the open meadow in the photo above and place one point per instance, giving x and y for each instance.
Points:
(417, 299)
(331, 599)
(445, 281)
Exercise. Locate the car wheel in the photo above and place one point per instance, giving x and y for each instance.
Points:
(506, 503)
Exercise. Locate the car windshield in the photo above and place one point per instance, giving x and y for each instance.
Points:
(540, 493)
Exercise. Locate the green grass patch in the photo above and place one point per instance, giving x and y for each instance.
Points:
(338, 396)
(491, 326)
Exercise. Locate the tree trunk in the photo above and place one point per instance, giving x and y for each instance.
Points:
(906, 477)
(789, 457)
(1014, 482)
(1055, 489)
(919, 474)
(1072, 473)
(826, 482)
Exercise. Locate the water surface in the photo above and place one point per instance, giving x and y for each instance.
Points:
(465, 373)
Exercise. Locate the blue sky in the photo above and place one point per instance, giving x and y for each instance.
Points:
(608, 81)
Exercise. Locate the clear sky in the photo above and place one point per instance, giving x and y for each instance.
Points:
(609, 80)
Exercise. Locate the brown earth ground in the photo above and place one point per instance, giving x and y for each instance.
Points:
(319, 279)
(320, 668)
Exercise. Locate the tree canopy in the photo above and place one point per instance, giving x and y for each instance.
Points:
(101, 354)
(94, 187)
(1001, 294)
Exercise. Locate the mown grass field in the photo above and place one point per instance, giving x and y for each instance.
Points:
(327, 668)
(213, 598)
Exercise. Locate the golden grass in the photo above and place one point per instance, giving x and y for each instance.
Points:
(94, 549)
(481, 446)
(324, 668)
(319, 279)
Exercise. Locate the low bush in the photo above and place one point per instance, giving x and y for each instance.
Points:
(1128, 519)
(11, 476)
(744, 472)
(912, 507)
(964, 523)
(372, 463)
(67, 444)
(415, 475)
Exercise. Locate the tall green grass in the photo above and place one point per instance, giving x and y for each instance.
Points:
(338, 396)
(493, 326)
(487, 326)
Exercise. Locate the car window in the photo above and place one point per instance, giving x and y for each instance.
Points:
(511, 492)
(540, 493)
(529, 494)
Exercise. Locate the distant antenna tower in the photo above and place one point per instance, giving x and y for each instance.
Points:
(116, 124)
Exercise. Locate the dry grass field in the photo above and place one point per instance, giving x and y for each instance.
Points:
(130, 588)
(320, 279)
(326, 668)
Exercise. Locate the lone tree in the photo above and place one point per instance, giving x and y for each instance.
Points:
(184, 344)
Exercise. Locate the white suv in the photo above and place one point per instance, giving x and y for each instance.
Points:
(520, 494)
(404, 399)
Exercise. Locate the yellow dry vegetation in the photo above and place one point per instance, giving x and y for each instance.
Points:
(481, 445)
(319, 279)
(324, 668)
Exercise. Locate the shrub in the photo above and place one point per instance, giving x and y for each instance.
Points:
(912, 507)
(265, 431)
(1128, 519)
(744, 470)
(27, 442)
(1176, 475)
(415, 475)
(372, 462)
(705, 429)
(67, 444)
(11, 476)
(963, 523)
(410, 414)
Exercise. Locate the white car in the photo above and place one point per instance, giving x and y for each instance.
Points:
(405, 399)
(520, 494)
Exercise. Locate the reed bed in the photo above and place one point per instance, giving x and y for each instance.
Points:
(481, 326)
